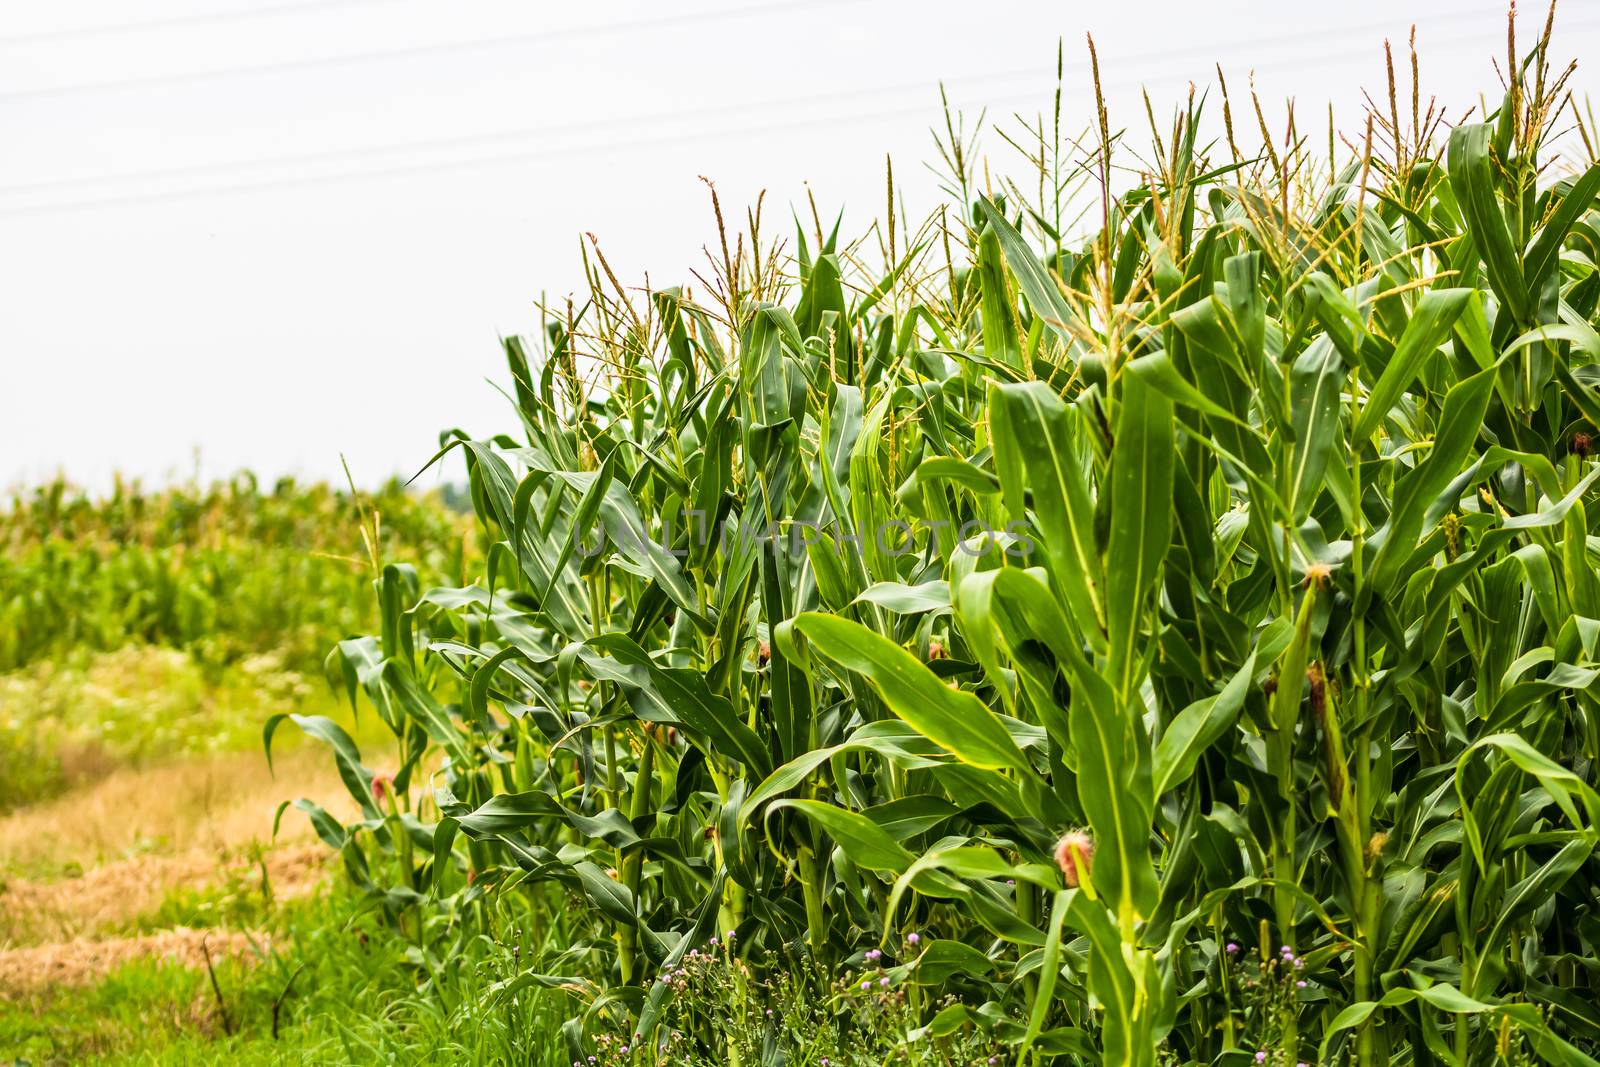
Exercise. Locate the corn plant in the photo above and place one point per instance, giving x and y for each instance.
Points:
(223, 571)
(1175, 642)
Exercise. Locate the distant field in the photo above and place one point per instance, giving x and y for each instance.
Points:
(144, 639)
(149, 625)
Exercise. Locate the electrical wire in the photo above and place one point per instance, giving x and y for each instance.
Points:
(203, 18)
(518, 40)
(855, 116)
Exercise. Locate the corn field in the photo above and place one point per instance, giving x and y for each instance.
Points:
(224, 570)
(1146, 611)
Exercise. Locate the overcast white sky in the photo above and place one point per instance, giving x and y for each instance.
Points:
(270, 232)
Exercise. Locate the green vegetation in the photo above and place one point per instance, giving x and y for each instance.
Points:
(62, 723)
(1171, 644)
(152, 625)
(143, 638)
(224, 571)
(315, 987)
(1145, 612)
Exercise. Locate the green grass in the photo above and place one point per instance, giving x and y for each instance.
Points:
(144, 1004)
(63, 723)
(353, 999)
(240, 901)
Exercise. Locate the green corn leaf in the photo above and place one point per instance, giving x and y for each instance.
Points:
(1464, 408)
(1542, 254)
(1037, 284)
(866, 843)
(1430, 323)
(1000, 328)
(956, 720)
(1036, 452)
(1314, 383)
(1141, 521)
(1472, 181)
(1197, 727)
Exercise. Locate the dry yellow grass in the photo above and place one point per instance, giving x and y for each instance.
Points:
(70, 963)
(79, 870)
(83, 876)
(205, 804)
(109, 898)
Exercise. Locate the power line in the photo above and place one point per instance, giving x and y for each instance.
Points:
(588, 125)
(206, 18)
(518, 40)
(544, 155)
(503, 159)
(498, 137)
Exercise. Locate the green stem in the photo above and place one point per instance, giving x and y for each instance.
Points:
(816, 918)
(633, 862)
(1285, 711)
(1364, 892)
(1028, 912)
(402, 844)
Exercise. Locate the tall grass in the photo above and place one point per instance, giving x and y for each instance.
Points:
(314, 986)
(1173, 642)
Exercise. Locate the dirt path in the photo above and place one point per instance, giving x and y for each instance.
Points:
(83, 960)
(110, 898)
(87, 880)
(207, 803)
